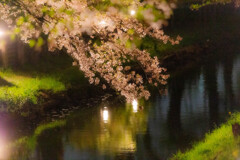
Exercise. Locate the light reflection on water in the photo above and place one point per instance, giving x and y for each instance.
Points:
(135, 105)
(105, 115)
(198, 99)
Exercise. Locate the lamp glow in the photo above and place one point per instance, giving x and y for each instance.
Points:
(132, 12)
(103, 23)
(1, 33)
(135, 105)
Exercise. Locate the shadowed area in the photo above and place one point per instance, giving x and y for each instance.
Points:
(4, 83)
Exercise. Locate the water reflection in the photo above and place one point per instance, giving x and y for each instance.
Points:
(135, 105)
(176, 90)
(91, 136)
(50, 145)
(199, 98)
(211, 91)
(105, 115)
(228, 63)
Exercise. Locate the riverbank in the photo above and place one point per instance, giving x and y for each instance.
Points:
(45, 96)
(35, 89)
(220, 144)
(19, 88)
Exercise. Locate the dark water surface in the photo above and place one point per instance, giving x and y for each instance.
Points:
(199, 98)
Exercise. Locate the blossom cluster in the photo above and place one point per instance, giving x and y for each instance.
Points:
(99, 35)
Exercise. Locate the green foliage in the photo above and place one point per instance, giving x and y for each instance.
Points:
(149, 44)
(198, 6)
(40, 42)
(103, 5)
(20, 21)
(32, 43)
(158, 15)
(131, 31)
(48, 11)
(17, 30)
(207, 3)
(128, 44)
(218, 145)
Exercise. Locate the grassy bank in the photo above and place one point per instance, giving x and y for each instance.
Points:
(42, 84)
(19, 88)
(218, 145)
(45, 82)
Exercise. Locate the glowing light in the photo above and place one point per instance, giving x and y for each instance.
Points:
(132, 12)
(2, 33)
(103, 23)
(105, 115)
(4, 150)
(135, 105)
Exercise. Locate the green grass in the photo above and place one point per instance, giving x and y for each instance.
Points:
(18, 88)
(51, 72)
(218, 145)
(58, 66)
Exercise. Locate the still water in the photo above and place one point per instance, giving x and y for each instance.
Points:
(199, 98)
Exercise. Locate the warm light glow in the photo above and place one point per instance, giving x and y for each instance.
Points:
(4, 150)
(103, 23)
(132, 12)
(135, 105)
(105, 115)
(1, 33)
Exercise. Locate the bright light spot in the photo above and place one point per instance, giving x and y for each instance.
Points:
(1, 33)
(135, 105)
(103, 23)
(4, 150)
(132, 12)
(105, 115)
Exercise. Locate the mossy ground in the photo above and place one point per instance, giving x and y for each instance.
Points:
(220, 144)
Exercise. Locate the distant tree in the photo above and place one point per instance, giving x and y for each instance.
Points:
(100, 35)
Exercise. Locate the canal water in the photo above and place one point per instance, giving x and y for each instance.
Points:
(198, 99)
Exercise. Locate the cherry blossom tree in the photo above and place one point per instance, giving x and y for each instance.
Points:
(99, 35)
